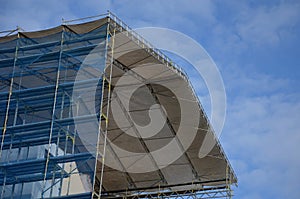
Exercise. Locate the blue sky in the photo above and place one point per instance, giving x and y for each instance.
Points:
(255, 44)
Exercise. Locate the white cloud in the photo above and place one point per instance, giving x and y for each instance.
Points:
(34, 15)
(168, 13)
(238, 82)
(262, 136)
(267, 24)
(241, 28)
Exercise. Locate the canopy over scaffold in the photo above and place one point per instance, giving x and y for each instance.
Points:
(139, 83)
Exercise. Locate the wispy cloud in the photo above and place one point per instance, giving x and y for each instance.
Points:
(254, 83)
(262, 137)
(268, 24)
(32, 15)
(169, 13)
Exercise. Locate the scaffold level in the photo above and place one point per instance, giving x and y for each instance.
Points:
(59, 98)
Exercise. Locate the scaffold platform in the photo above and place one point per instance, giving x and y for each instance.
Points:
(59, 134)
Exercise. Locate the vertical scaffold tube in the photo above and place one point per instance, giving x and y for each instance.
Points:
(107, 107)
(7, 108)
(53, 113)
(106, 79)
(9, 94)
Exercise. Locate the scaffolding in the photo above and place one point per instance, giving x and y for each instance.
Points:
(58, 130)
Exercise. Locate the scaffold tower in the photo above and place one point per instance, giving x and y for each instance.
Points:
(61, 93)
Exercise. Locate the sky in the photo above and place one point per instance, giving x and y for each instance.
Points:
(256, 46)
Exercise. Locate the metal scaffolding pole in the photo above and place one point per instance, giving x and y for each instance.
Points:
(7, 110)
(9, 95)
(53, 114)
(106, 80)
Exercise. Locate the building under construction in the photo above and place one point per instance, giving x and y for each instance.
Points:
(74, 116)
